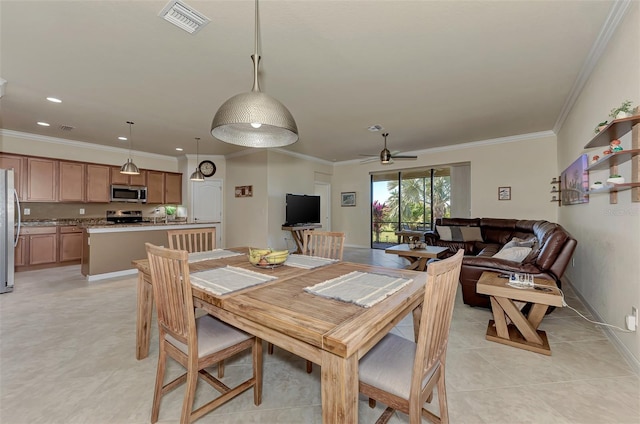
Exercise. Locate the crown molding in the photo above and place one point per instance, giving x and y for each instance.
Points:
(80, 144)
(489, 142)
(616, 15)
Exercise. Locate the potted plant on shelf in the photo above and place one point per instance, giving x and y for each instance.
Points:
(600, 126)
(615, 179)
(596, 185)
(623, 111)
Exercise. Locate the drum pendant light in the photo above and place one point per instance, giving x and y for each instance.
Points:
(129, 167)
(197, 175)
(254, 119)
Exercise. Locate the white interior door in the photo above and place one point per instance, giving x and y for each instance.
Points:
(207, 204)
(324, 191)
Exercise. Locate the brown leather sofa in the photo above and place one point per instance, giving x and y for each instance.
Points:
(548, 258)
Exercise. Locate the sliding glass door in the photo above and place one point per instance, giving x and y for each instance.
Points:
(407, 200)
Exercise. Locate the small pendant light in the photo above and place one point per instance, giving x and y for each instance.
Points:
(197, 175)
(130, 168)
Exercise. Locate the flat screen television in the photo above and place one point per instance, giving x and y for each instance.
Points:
(302, 209)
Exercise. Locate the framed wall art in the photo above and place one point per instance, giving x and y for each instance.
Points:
(244, 191)
(504, 193)
(574, 182)
(348, 198)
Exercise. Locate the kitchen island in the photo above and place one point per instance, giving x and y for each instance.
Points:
(107, 250)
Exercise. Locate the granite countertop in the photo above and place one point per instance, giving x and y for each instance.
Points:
(97, 223)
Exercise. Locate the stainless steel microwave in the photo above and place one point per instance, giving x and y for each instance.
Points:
(131, 194)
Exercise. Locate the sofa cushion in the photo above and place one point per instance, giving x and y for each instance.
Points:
(514, 253)
(457, 233)
(549, 251)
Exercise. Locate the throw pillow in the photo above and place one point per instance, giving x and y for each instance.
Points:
(518, 242)
(459, 233)
(515, 254)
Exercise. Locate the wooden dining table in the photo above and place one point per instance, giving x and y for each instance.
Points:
(331, 333)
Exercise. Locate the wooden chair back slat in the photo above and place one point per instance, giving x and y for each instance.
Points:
(192, 240)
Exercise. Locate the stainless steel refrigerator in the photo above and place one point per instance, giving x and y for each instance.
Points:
(9, 229)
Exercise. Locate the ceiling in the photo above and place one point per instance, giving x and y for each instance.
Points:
(432, 73)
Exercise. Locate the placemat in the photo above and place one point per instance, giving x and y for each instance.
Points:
(362, 288)
(227, 279)
(308, 262)
(211, 254)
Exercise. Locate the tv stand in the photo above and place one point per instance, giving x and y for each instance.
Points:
(297, 231)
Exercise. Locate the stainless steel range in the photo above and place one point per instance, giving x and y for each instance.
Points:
(124, 217)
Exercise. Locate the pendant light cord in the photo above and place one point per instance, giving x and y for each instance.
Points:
(255, 57)
(130, 139)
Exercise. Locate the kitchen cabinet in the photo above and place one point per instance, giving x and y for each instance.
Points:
(123, 179)
(98, 179)
(172, 188)
(42, 179)
(70, 243)
(71, 181)
(17, 163)
(21, 255)
(40, 245)
(155, 187)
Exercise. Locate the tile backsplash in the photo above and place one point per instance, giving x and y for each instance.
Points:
(72, 210)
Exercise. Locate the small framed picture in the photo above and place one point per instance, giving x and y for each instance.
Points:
(504, 193)
(244, 191)
(348, 198)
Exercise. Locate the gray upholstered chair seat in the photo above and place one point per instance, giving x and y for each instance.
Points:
(389, 365)
(213, 336)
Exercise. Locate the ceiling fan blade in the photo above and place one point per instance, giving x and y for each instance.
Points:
(404, 157)
(362, 154)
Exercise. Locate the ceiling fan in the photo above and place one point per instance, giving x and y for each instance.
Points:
(387, 156)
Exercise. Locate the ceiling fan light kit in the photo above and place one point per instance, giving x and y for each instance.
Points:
(254, 119)
(386, 157)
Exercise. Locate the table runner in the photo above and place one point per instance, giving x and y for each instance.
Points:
(211, 254)
(362, 288)
(307, 262)
(227, 279)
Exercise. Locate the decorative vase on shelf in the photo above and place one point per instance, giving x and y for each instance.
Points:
(596, 185)
(615, 179)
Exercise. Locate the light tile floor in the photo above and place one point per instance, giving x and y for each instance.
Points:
(67, 356)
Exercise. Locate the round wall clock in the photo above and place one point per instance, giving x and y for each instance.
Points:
(207, 168)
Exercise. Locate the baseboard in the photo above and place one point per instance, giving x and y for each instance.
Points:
(633, 362)
(98, 277)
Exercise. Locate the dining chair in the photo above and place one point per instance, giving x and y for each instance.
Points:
(324, 244)
(195, 344)
(401, 373)
(192, 240)
(195, 240)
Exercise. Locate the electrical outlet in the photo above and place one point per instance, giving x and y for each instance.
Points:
(27, 211)
(81, 211)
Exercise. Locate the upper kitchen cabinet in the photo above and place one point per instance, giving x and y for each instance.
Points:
(71, 181)
(42, 180)
(155, 187)
(98, 180)
(172, 188)
(18, 164)
(123, 179)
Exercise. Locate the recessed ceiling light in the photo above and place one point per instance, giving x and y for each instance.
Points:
(54, 100)
(179, 149)
(44, 124)
(122, 138)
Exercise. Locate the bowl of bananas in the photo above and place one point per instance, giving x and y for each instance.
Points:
(267, 258)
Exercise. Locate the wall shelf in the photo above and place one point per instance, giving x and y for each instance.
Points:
(556, 191)
(615, 130)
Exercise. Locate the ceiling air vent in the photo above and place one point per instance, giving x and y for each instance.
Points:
(183, 16)
(66, 127)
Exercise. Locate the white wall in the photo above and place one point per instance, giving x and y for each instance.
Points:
(525, 163)
(607, 269)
